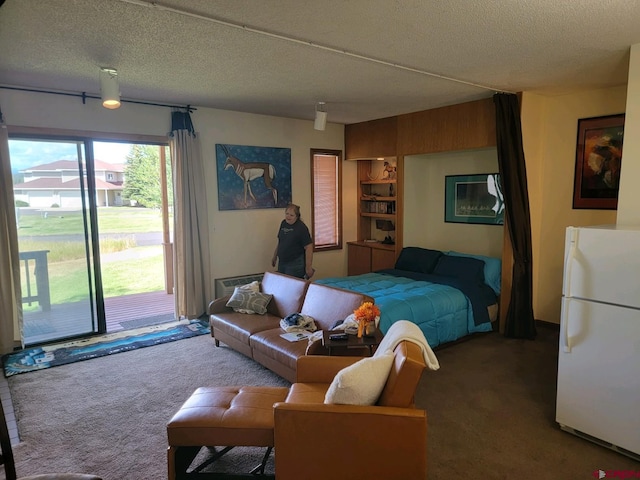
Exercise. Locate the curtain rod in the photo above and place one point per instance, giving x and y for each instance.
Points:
(219, 21)
(84, 97)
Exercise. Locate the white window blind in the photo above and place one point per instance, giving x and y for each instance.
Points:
(326, 200)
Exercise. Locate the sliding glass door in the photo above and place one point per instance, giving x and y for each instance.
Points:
(94, 236)
(55, 215)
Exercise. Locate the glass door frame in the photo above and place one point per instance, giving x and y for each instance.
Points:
(88, 193)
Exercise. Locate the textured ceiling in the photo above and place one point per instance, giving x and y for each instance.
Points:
(366, 58)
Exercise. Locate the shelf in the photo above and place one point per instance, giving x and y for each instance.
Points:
(390, 216)
(377, 182)
(377, 199)
(377, 245)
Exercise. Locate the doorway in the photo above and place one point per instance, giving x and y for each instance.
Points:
(93, 234)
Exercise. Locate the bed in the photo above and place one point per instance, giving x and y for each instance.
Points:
(449, 295)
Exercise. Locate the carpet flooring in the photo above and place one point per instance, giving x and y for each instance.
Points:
(38, 358)
(490, 410)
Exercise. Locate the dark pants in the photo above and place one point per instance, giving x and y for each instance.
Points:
(294, 267)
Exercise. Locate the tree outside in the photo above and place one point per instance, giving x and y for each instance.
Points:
(142, 182)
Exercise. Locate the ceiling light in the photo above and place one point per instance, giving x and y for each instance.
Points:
(109, 88)
(321, 116)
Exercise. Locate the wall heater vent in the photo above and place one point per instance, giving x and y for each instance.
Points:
(225, 286)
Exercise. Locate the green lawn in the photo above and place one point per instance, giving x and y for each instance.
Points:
(110, 220)
(140, 270)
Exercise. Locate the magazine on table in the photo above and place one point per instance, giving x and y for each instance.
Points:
(296, 336)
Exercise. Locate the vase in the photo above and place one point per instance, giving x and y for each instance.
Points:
(360, 328)
(370, 329)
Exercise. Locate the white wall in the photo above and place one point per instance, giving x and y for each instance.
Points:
(629, 194)
(242, 241)
(424, 224)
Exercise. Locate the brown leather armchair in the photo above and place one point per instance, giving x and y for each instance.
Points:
(314, 440)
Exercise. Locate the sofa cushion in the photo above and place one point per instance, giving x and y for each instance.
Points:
(270, 344)
(248, 301)
(362, 382)
(328, 304)
(242, 326)
(288, 293)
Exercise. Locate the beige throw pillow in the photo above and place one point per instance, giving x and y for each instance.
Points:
(248, 299)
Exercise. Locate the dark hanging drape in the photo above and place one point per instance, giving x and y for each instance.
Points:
(520, 322)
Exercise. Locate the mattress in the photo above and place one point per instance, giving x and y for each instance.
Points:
(443, 313)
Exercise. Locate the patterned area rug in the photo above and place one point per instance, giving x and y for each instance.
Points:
(37, 358)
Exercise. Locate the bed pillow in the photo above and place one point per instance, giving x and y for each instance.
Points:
(492, 269)
(416, 259)
(464, 268)
(362, 382)
(248, 299)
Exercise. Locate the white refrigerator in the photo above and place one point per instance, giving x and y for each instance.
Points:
(598, 396)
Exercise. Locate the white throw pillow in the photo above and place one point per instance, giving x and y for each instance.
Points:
(362, 382)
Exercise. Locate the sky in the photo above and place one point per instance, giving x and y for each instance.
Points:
(28, 153)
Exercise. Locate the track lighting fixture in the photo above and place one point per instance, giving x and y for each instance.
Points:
(109, 87)
(321, 116)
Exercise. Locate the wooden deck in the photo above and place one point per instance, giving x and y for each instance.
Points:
(122, 313)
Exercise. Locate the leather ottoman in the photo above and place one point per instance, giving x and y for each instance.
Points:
(221, 416)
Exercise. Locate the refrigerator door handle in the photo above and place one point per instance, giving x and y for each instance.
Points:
(564, 326)
(568, 262)
(564, 322)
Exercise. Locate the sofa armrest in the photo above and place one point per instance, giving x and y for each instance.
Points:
(349, 442)
(219, 305)
(320, 368)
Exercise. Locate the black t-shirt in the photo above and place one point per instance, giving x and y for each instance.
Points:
(292, 239)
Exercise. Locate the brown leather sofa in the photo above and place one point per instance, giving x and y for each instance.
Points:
(258, 336)
(315, 441)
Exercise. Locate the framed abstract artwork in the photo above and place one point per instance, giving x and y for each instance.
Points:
(474, 199)
(598, 161)
(253, 177)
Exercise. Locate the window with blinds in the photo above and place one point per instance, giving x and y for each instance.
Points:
(326, 192)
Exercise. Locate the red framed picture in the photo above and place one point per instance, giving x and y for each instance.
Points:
(598, 162)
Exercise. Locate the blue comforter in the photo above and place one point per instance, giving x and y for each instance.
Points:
(442, 312)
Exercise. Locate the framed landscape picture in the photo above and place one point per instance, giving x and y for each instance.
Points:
(598, 159)
(474, 199)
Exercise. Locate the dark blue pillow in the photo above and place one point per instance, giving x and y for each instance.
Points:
(464, 268)
(416, 259)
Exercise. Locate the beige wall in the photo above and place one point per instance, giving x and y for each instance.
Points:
(241, 241)
(629, 196)
(549, 130)
(424, 224)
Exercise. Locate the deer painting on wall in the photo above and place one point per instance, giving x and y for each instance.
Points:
(253, 174)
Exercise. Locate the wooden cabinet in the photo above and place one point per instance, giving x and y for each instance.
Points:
(372, 139)
(365, 257)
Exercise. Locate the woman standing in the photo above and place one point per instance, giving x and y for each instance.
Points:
(294, 251)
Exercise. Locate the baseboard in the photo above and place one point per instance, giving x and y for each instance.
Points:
(548, 325)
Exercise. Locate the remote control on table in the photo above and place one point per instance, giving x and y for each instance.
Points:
(338, 336)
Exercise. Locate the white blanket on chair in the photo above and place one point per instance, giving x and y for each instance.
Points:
(409, 331)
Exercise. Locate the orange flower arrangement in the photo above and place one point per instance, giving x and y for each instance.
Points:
(365, 314)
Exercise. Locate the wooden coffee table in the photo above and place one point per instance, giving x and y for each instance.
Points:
(352, 341)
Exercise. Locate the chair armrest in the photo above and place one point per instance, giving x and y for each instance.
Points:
(349, 442)
(219, 305)
(320, 368)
